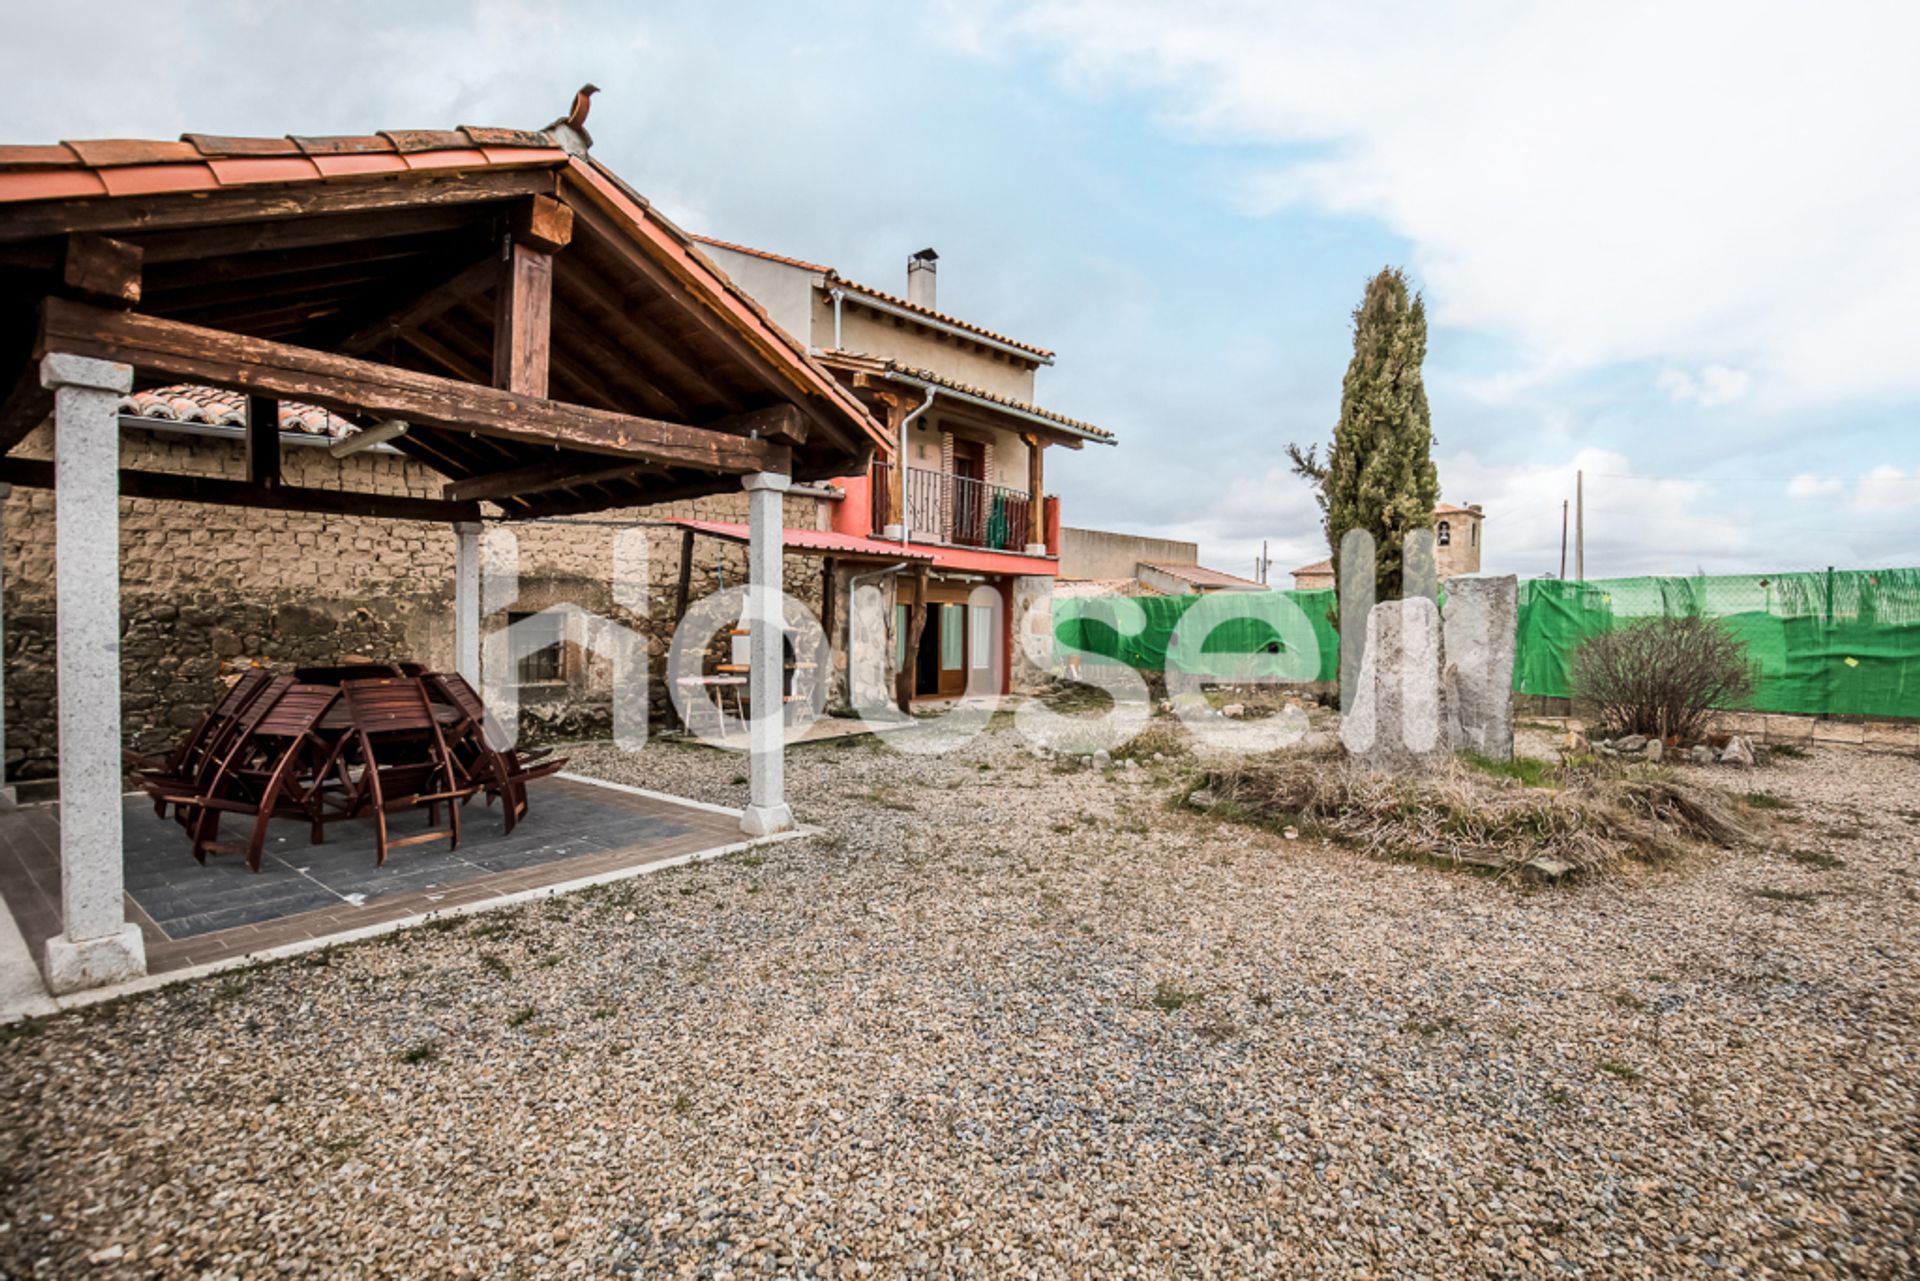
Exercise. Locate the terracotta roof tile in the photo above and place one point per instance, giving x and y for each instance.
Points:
(100, 152)
(801, 263)
(341, 145)
(490, 136)
(51, 184)
(815, 540)
(446, 158)
(406, 141)
(213, 144)
(893, 299)
(941, 316)
(146, 180)
(978, 393)
(239, 172)
(1318, 567)
(38, 156)
(215, 407)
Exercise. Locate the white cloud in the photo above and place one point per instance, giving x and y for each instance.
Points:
(1713, 386)
(1887, 488)
(1707, 186)
(1634, 524)
(1809, 485)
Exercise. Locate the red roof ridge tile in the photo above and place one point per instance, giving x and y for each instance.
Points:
(943, 317)
(718, 243)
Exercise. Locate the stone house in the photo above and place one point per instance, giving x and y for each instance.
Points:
(968, 490)
(1456, 547)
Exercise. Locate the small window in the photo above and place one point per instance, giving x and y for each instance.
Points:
(1473, 534)
(538, 641)
(1443, 534)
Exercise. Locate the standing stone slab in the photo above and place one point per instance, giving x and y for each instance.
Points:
(1478, 641)
(1394, 725)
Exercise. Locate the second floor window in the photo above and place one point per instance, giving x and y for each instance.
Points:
(1443, 534)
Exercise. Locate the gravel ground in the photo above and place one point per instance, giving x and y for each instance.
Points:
(1003, 1018)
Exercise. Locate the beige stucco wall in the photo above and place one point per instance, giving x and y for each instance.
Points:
(1105, 554)
(874, 333)
(207, 590)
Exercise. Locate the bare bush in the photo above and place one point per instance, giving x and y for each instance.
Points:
(1662, 677)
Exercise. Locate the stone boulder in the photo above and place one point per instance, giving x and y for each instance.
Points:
(1478, 640)
(1395, 725)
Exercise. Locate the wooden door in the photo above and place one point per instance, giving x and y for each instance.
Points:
(952, 652)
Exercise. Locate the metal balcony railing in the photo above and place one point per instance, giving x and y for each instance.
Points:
(959, 509)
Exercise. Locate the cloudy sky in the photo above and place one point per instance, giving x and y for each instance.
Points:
(1674, 245)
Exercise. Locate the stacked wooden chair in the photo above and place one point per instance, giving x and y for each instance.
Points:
(404, 761)
(280, 766)
(183, 767)
(486, 760)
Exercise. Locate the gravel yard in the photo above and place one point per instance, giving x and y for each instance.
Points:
(1006, 1018)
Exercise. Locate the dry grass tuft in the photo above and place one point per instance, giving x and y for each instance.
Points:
(1582, 824)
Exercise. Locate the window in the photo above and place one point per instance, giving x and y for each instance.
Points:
(1444, 534)
(538, 641)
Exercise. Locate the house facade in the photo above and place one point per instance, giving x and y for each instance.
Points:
(1456, 547)
(965, 489)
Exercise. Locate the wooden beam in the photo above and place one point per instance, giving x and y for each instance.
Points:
(362, 388)
(24, 407)
(103, 270)
(468, 282)
(168, 487)
(782, 424)
(228, 241)
(1036, 450)
(544, 223)
(523, 319)
(686, 573)
(544, 478)
(266, 203)
(263, 441)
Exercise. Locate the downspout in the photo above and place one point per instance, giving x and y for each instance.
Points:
(906, 422)
(837, 294)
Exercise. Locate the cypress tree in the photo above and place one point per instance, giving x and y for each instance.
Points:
(1379, 475)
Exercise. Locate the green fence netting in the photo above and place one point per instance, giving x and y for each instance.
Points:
(1838, 642)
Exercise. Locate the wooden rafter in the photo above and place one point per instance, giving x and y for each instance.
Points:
(468, 282)
(359, 387)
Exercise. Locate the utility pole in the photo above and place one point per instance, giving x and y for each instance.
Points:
(1580, 525)
(1563, 539)
(1265, 562)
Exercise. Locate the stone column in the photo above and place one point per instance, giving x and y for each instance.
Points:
(767, 810)
(7, 798)
(97, 945)
(466, 600)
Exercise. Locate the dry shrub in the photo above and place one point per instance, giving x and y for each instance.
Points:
(1462, 817)
(1662, 677)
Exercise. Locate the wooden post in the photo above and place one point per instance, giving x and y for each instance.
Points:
(522, 315)
(1036, 496)
(916, 624)
(686, 575)
(896, 478)
(263, 440)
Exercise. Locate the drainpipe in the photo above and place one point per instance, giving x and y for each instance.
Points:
(837, 294)
(906, 422)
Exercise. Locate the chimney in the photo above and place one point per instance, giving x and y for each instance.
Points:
(920, 269)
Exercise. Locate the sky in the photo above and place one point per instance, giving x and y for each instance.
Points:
(1670, 246)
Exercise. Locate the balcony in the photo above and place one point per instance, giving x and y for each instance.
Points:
(960, 510)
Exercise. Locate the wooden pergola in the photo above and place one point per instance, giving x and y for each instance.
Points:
(493, 302)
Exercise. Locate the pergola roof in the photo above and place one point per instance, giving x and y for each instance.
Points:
(554, 344)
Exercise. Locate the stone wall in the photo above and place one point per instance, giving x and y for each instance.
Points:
(207, 590)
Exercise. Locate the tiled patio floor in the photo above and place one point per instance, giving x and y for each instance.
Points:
(194, 915)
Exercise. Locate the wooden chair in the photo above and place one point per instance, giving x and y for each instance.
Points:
(281, 767)
(404, 760)
(187, 767)
(219, 718)
(479, 747)
(335, 674)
